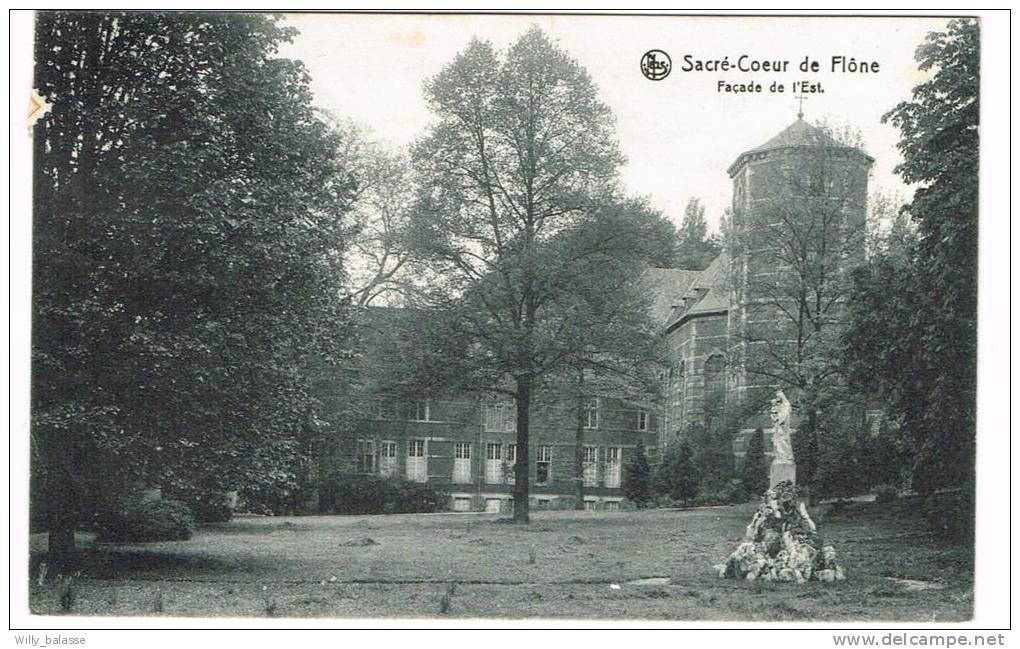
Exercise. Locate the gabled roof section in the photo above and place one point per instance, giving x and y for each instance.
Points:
(667, 287)
(708, 293)
(713, 278)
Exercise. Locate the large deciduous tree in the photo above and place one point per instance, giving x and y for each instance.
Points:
(521, 151)
(610, 346)
(914, 329)
(378, 253)
(187, 258)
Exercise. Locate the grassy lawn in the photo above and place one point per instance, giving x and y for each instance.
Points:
(562, 565)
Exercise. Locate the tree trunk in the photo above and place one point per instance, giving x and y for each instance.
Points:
(579, 451)
(521, 466)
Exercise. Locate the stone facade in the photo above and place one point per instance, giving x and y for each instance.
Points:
(463, 444)
(728, 319)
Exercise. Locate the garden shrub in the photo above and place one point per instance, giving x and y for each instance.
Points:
(281, 497)
(665, 502)
(365, 494)
(885, 493)
(732, 493)
(143, 522)
(211, 508)
(563, 503)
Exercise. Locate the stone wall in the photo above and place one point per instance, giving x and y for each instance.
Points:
(783, 190)
(690, 344)
(455, 421)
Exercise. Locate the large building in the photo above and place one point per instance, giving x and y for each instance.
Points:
(792, 198)
(465, 444)
(737, 330)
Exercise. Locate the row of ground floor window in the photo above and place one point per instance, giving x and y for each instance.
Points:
(503, 503)
(602, 465)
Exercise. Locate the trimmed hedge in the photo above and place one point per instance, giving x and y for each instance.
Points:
(364, 494)
(144, 522)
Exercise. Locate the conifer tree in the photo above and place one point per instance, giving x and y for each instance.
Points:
(637, 478)
(676, 477)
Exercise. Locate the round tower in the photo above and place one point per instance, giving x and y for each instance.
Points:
(797, 227)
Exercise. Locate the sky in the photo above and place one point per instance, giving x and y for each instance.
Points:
(679, 134)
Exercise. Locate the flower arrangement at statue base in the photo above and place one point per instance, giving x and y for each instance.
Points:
(782, 544)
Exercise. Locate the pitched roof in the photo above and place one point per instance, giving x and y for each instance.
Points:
(706, 292)
(714, 279)
(667, 287)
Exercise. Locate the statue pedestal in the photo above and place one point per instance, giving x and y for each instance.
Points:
(780, 471)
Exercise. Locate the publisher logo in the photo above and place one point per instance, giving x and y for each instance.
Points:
(656, 65)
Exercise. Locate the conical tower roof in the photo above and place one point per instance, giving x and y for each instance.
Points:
(798, 134)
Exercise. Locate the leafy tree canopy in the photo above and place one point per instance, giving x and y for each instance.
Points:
(914, 330)
(188, 255)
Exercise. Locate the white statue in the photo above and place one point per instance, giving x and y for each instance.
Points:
(780, 414)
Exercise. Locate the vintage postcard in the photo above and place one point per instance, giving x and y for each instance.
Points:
(493, 319)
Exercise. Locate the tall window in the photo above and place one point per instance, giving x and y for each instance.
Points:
(493, 463)
(462, 462)
(678, 383)
(417, 462)
(715, 388)
(642, 420)
(366, 456)
(508, 463)
(715, 376)
(591, 413)
(423, 410)
(591, 466)
(613, 465)
(543, 467)
(388, 458)
(500, 417)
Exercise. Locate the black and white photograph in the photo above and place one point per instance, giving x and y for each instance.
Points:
(489, 319)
